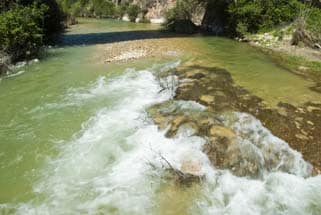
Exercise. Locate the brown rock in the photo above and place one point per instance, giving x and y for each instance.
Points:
(207, 99)
(222, 132)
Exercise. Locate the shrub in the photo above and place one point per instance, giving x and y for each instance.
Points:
(245, 15)
(307, 28)
(21, 34)
(133, 11)
(314, 23)
(103, 8)
(178, 19)
(261, 15)
(121, 10)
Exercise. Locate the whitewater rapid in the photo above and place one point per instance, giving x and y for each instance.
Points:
(113, 164)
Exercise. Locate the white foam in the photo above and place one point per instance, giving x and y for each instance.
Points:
(259, 144)
(113, 165)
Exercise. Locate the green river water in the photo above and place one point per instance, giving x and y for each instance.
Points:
(74, 138)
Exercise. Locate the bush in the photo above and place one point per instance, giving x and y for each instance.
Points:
(133, 11)
(261, 15)
(178, 19)
(121, 10)
(21, 34)
(307, 28)
(314, 23)
(103, 8)
(245, 15)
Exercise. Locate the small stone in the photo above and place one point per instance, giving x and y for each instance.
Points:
(310, 123)
(210, 88)
(207, 99)
(311, 108)
(317, 46)
(303, 68)
(301, 136)
(192, 167)
(304, 132)
(175, 124)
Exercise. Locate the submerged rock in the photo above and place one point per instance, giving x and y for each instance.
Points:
(5, 61)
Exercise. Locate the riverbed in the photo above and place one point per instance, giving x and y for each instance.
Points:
(77, 136)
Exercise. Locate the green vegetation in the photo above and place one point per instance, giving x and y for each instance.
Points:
(133, 11)
(178, 19)
(295, 63)
(242, 17)
(100, 9)
(21, 34)
(25, 25)
(314, 22)
(256, 16)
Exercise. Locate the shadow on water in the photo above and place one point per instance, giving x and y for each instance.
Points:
(112, 37)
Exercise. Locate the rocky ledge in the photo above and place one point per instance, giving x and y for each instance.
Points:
(214, 88)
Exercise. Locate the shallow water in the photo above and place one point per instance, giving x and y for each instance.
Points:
(75, 138)
(256, 72)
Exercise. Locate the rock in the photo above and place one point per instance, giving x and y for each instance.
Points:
(175, 124)
(161, 121)
(195, 75)
(209, 121)
(301, 136)
(207, 99)
(310, 123)
(317, 46)
(192, 167)
(5, 61)
(312, 108)
(220, 140)
(282, 111)
(222, 132)
(303, 68)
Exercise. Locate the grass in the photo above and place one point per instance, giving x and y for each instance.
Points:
(296, 64)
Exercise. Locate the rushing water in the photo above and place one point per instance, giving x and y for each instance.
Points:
(75, 138)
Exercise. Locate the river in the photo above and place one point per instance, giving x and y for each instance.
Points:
(76, 137)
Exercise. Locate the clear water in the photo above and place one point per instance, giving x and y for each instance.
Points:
(75, 139)
(256, 72)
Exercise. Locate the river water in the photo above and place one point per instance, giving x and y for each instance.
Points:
(75, 137)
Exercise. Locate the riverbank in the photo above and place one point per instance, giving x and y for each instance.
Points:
(301, 60)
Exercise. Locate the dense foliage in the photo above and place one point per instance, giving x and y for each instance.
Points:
(253, 16)
(240, 17)
(100, 9)
(26, 24)
(133, 11)
(314, 23)
(178, 19)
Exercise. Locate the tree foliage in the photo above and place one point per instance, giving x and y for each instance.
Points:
(26, 24)
(21, 34)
